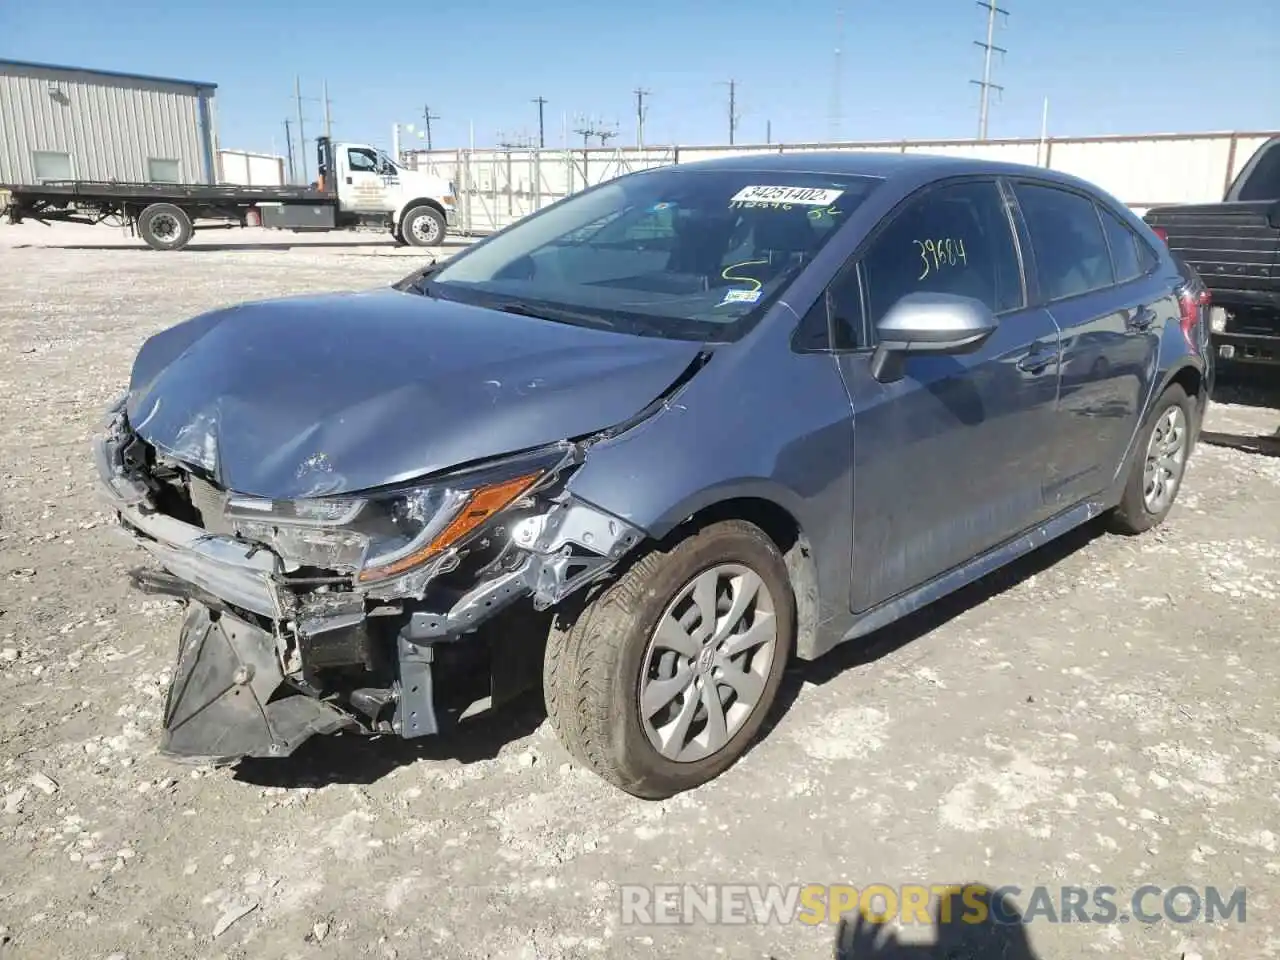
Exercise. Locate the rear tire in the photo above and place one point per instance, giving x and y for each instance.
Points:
(1159, 464)
(423, 226)
(616, 662)
(164, 227)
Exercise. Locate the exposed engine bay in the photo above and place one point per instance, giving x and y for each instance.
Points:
(391, 611)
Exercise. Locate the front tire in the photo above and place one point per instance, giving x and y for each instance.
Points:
(423, 226)
(1155, 476)
(663, 680)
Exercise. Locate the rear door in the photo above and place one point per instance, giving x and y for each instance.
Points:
(950, 460)
(1111, 316)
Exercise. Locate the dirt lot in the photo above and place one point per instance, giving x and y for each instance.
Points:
(1105, 714)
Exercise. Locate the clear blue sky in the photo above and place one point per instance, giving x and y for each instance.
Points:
(1107, 66)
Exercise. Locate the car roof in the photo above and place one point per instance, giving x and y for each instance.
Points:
(914, 167)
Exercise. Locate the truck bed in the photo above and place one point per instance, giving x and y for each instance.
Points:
(68, 190)
(1234, 246)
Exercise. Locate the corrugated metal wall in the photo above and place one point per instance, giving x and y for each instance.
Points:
(250, 169)
(498, 187)
(111, 127)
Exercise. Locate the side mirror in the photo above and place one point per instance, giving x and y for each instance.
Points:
(942, 323)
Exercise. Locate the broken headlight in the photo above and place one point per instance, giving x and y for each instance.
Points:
(381, 535)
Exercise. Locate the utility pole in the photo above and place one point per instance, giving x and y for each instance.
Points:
(542, 130)
(640, 115)
(586, 129)
(427, 117)
(768, 131)
(328, 117)
(288, 148)
(733, 109)
(988, 48)
(302, 136)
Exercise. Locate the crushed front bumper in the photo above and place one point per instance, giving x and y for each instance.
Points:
(223, 703)
(258, 653)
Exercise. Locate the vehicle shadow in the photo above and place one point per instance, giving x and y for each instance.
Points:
(356, 759)
(1248, 387)
(969, 922)
(1262, 444)
(912, 627)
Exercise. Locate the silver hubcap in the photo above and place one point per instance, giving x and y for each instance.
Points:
(165, 228)
(1166, 456)
(707, 662)
(425, 229)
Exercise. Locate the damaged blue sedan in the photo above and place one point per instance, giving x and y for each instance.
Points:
(644, 448)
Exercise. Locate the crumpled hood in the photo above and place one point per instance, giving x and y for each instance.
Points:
(309, 396)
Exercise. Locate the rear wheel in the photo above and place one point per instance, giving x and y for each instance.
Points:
(164, 227)
(423, 226)
(1156, 474)
(664, 679)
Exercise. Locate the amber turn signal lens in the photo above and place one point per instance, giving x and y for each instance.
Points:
(483, 504)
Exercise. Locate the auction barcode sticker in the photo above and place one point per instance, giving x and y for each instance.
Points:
(812, 196)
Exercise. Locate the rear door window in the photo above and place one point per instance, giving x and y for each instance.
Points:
(953, 239)
(1124, 247)
(1071, 253)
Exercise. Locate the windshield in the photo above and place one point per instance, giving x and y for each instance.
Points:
(681, 253)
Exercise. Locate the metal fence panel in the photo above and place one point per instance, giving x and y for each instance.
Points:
(498, 187)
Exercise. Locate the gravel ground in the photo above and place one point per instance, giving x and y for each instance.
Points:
(1104, 713)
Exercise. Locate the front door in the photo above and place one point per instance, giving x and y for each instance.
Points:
(949, 461)
(365, 188)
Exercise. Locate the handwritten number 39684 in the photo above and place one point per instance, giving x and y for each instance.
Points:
(936, 254)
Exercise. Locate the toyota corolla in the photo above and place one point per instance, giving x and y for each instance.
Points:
(645, 447)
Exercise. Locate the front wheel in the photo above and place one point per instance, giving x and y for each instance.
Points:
(423, 226)
(664, 679)
(1156, 474)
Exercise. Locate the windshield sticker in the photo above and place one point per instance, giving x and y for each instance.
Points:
(784, 197)
(944, 252)
(739, 296)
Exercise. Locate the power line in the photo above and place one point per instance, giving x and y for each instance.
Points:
(988, 48)
(641, 111)
(542, 134)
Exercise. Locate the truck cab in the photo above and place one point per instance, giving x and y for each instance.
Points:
(372, 188)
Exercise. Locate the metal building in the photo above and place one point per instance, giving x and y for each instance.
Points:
(71, 123)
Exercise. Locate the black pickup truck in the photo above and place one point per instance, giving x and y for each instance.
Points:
(1235, 247)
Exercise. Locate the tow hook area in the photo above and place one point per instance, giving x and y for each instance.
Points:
(228, 698)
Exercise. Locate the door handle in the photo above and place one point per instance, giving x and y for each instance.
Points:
(1141, 320)
(348, 179)
(1037, 361)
